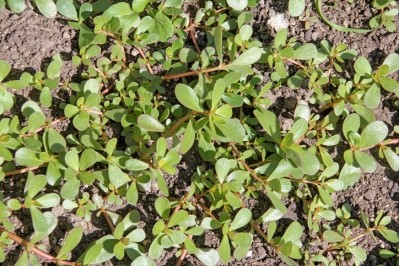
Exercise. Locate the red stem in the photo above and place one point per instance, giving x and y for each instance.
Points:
(35, 250)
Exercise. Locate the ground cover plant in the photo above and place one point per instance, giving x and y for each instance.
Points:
(151, 97)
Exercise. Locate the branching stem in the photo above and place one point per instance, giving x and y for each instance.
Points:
(193, 73)
(33, 249)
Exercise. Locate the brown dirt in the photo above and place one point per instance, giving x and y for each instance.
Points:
(28, 40)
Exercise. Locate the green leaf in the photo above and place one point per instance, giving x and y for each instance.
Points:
(72, 159)
(16, 6)
(241, 219)
(390, 235)
(187, 55)
(351, 124)
(231, 128)
(187, 97)
(270, 123)
(91, 86)
(325, 196)
(331, 236)
(305, 52)
(86, 9)
(388, 84)
(281, 38)
(87, 159)
(55, 141)
(296, 7)
(276, 201)
(117, 177)
(119, 250)
(366, 162)
(135, 165)
(35, 184)
(45, 97)
(373, 134)
(150, 123)
(249, 57)
(143, 260)
(218, 39)
(54, 68)
(47, 7)
(71, 241)
(386, 254)
(293, 233)
(39, 221)
(217, 92)
(47, 200)
(188, 138)
(362, 66)
(138, 6)
(392, 158)
(222, 168)
(350, 175)
(392, 61)
(67, 9)
(5, 69)
(162, 207)
(303, 159)
(156, 249)
(372, 98)
(178, 218)
(238, 4)
(27, 157)
(380, 4)
(225, 250)
(359, 253)
(209, 257)
(91, 254)
(163, 26)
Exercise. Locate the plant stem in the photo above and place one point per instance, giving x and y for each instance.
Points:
(108, 220)
(35, 250)
(147, 64)
(58, 120)
(250, 171)
(24, 170)
(193, 73)
(183, 253)
(169, 132)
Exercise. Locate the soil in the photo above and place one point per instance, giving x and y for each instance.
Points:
(29, 40)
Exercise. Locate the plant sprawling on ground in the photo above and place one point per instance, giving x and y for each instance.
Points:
(145, 73)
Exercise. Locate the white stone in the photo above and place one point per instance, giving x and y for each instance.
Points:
(278, 22)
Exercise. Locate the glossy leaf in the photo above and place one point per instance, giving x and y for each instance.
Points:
(70, 242)
(47, 7)
(249, 57)
(296, 7)
(241, 219)
(67, 9)
(150, 123)
(187, 97)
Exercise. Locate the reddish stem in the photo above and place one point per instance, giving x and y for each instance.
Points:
(192, 73)
(250, 171)
(35, 250)
(145, 58)
(176, 125)
(63, 118)
(108, 220)
(24, 170)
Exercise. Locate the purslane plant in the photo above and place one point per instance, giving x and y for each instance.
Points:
(173, 97)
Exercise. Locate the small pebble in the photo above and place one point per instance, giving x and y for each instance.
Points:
(278, 22)
(66, 35)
